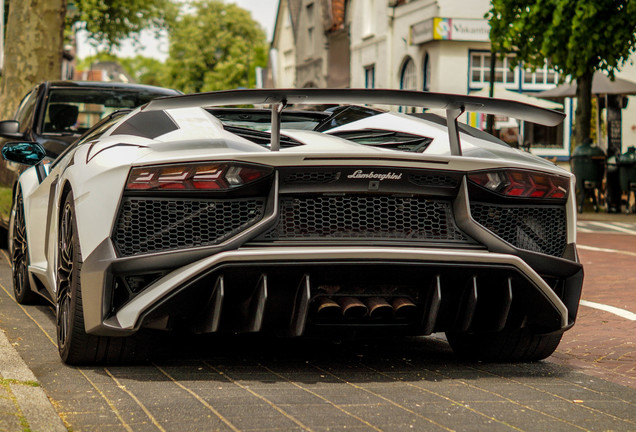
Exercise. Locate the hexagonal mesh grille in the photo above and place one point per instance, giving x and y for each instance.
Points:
(364, 217)
(535, 228)
(432, 180)
(149, 225)
(320, 177)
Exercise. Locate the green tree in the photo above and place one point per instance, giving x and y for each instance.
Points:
(576, 37)
(144, 70)
(214, 46)
(108, 22)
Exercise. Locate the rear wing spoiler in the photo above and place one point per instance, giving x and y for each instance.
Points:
(453, 104)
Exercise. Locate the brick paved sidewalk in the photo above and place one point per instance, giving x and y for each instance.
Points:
(601, 343)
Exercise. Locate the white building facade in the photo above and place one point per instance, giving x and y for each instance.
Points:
(442, 46)
(283, 54)
(433, 45)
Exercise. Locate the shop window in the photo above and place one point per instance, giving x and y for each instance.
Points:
(408, 80)
(369, 76)
(540, 78)
(408, 75)
(426, 73)
(479, 74)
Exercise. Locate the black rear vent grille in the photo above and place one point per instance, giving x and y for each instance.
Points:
(365, 217)
(433, 180)
(311, 177)
(540, 229)
(147, 225)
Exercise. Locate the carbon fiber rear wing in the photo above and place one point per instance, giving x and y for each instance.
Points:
(453, 104)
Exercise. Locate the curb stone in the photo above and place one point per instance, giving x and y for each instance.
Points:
(35, 406)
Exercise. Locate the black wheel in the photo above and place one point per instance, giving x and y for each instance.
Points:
(74, 344)
(515, 345)
(20, 256)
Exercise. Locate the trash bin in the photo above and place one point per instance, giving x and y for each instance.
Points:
(588, 165)
(627, 174)
(613, 186)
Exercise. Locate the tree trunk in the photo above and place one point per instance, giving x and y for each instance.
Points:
(33, 49)
(583, 113)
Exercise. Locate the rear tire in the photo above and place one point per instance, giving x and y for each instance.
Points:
(515, 345)
(20, 256)
(74, 344)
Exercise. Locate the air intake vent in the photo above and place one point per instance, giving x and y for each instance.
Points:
(311, 177)
(433, 180)
(535, 228)
(365, 217)
(147, 225)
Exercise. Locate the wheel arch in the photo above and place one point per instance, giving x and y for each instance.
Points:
(65, 189)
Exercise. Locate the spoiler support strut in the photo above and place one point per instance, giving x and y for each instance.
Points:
(277, 109)
(453, 131)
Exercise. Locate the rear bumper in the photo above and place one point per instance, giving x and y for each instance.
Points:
(255, 289)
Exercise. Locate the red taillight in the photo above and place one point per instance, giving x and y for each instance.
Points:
(524, 184)
(195, 176)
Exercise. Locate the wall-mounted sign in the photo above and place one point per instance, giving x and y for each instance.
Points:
(457, 29)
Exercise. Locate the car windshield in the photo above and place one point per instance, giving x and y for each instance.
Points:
(73, 111)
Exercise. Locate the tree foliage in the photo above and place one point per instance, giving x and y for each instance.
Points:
(214, 46)
(144, 70)
(577, 38)
(110, 21)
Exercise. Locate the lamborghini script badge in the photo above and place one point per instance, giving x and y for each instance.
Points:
(359, 174)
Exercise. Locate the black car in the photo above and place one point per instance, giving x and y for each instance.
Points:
(56, 113)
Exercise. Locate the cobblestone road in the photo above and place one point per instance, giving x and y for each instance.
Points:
(602, 343)
(415, 384)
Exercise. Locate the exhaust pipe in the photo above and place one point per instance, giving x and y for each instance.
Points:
(378, 307)
(403, 307)
(327, 308)
(352, 307)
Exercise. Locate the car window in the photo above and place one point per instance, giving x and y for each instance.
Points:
(25, 111)
(102, 127)
(94, 134)
(74, 111)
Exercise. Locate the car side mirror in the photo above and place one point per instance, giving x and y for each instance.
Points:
(26, 153)
(10, 129)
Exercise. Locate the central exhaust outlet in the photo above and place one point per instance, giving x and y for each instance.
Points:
(352, 307)
(378, 307)
(403, 307)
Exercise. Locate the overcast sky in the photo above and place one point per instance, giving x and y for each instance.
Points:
(263, 11)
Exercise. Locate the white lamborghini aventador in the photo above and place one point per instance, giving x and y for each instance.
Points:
(194, 212)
